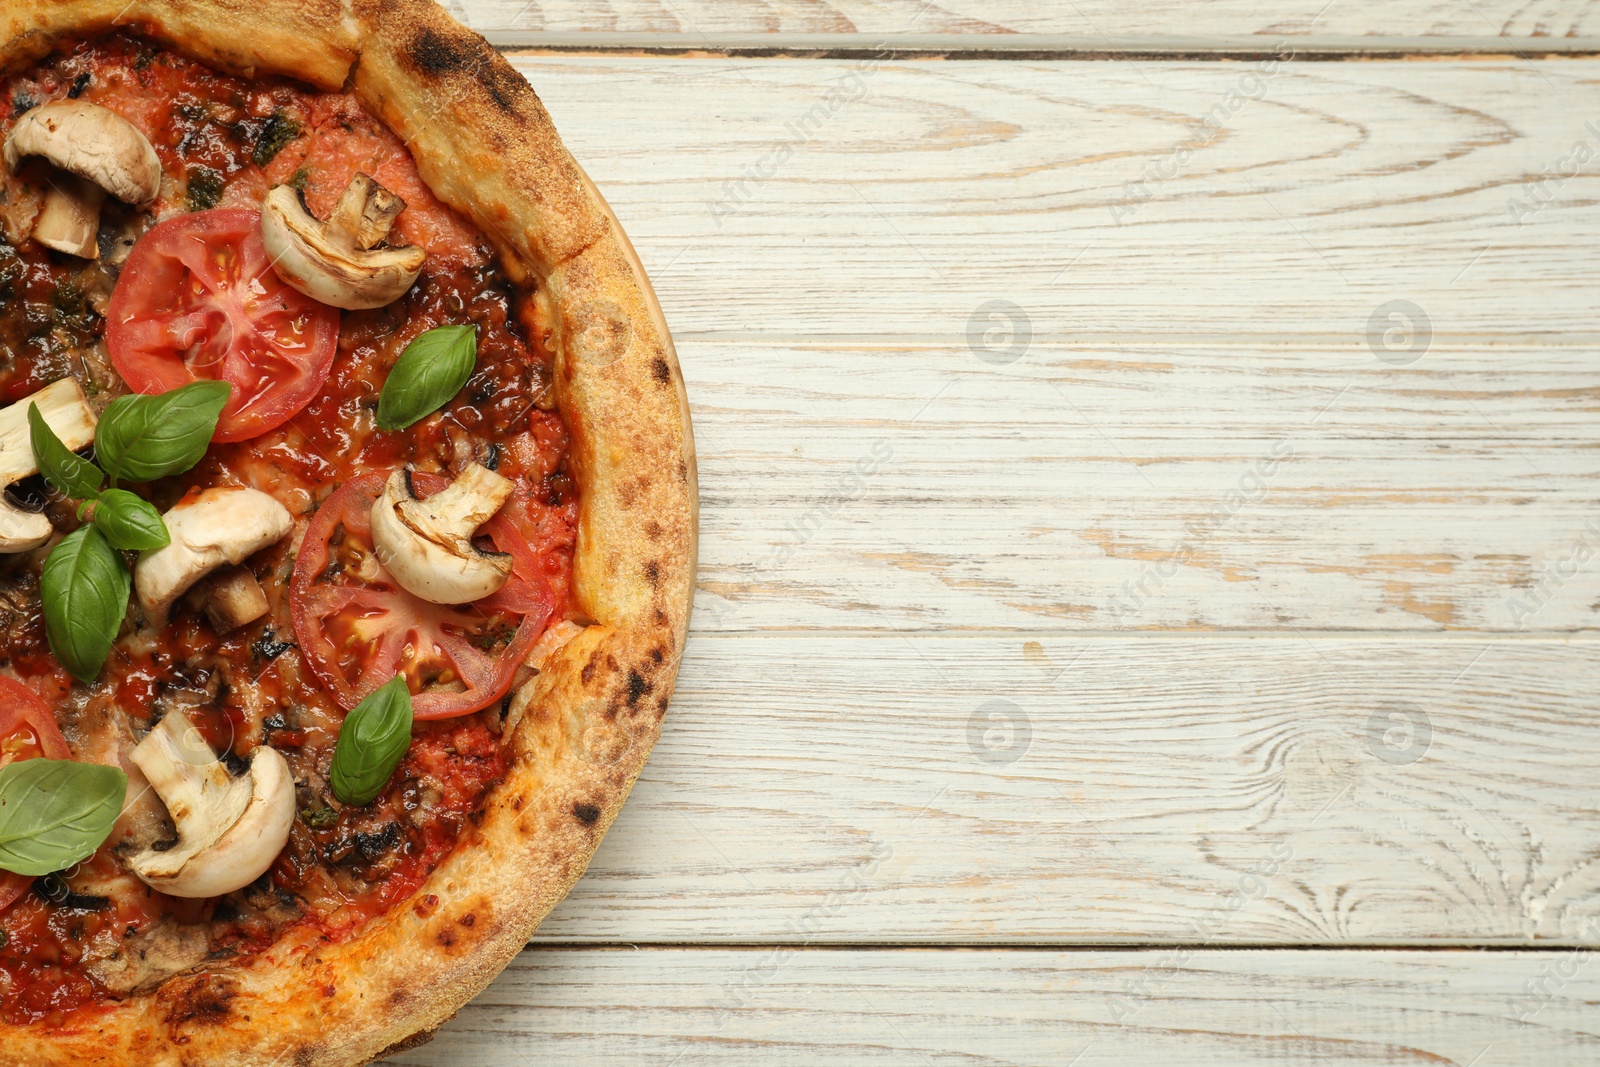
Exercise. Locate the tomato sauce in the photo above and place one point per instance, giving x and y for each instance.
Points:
(223, 142)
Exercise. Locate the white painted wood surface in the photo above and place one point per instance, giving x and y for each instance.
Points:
(825, 325)
(1011, 658)
(946, 185)
(1006, 789)
(1087, 19)
(694, 1007)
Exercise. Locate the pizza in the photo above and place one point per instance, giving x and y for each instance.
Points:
(348, 534)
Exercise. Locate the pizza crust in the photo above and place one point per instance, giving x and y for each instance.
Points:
(485, 145)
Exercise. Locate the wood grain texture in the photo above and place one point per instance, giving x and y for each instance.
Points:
(913, 710)
(884, 448)
(810, 200)
(984, 789)
(911, 487)
(1091, 1009)
(1091, 18)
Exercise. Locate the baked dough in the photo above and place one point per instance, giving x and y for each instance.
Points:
(485, 145)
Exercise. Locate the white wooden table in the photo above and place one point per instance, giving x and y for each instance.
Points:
(1151, 547)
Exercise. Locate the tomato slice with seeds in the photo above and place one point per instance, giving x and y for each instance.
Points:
(358, 628)
(198, 299)
(27, 731)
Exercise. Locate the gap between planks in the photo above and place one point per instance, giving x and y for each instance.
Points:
(1033, 46)
(956, 633)
(1033, 946)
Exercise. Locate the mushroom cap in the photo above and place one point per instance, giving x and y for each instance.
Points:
(92, 142)
(427, 544)
(328, 266)
(244, 849)
(65, 411)
(224, 524)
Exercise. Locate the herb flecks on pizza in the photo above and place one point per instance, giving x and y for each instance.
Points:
(346, 543)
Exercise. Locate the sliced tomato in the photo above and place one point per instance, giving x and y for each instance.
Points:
(27, 731)
(358, 628)
(198, 299)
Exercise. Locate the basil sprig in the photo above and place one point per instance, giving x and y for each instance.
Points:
(128, 522)
(432, 369)
(372, 739)
(54, 813)
(141, 438)
(65, 470)
(86, 581)
(84, 588)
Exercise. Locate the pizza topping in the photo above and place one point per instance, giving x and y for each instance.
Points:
(27, 731)
(141, 960)
(69, 217)
(198, 300)
(427, 544)
(433, 369)
(208, 528)
(230, 598)
(358, 626)
(85, 582)
(126, 521)
(336, 261)
(142, 438)
(372, 740)
(54, 812)
(96, 152)
(63, 408)
(229, 829)
(321, 401)
(84, 591)
(92, 142)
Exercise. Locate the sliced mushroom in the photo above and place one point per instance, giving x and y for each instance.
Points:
(427, 544)
(67, 413)
(143, 959)
(339, 262)
(230, 598)
(210, 528)
(69, 220)
(93, 149)
(229, 829)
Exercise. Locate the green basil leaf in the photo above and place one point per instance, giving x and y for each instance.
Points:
(84, 588)
(373, 738)
(432, 369)
(55, 812)
(142, 438)
(129, 522)
(65, 470)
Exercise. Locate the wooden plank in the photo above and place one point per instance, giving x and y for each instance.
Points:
(789, 200)
(1087, 18)
(914, 487)
(1220, 790)
(1087, 1008)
